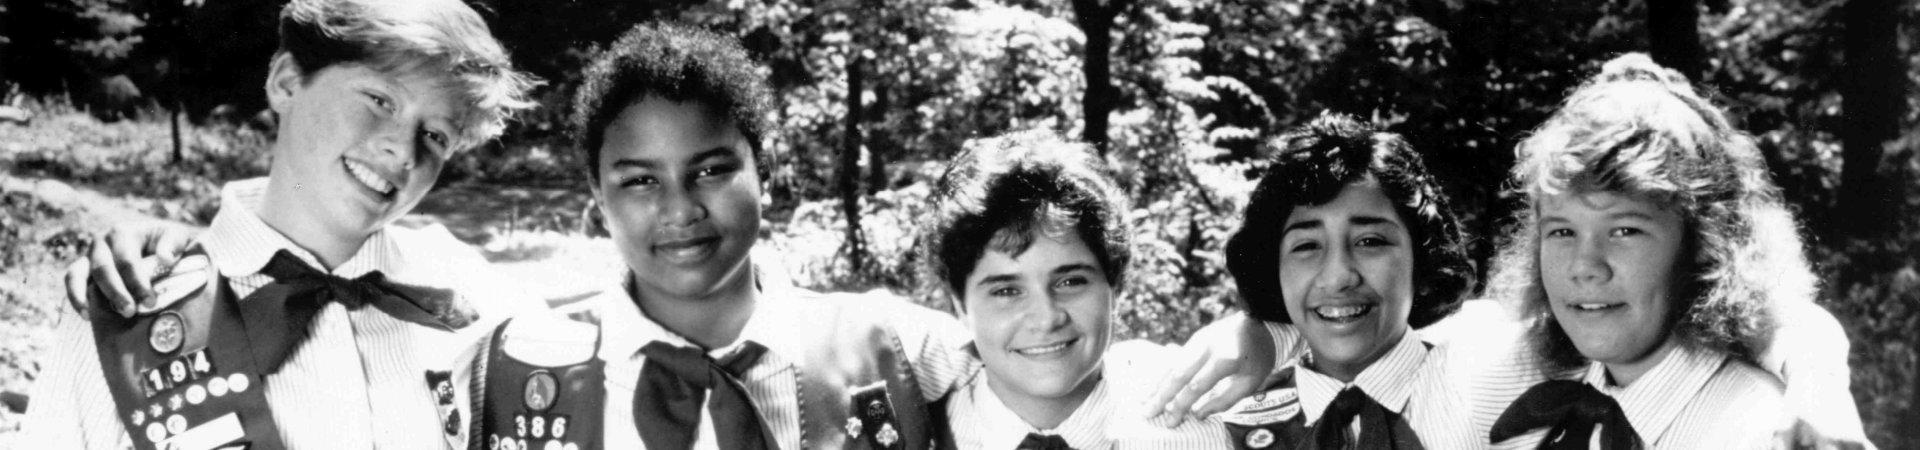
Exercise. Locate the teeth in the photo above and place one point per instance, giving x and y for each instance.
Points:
(1044, 350)
(1592, 306)
(1341, 312)
(367, 177)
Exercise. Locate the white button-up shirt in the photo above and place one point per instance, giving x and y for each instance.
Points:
(932, 341)
(357, 382)
(1410, 380)
(1109, 418)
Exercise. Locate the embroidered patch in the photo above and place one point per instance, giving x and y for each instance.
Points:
(440, 386)
(1273, 406)
(871, 416)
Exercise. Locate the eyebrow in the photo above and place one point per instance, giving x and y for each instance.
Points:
(1075, 267)
(1356, 220)
(712, 153)
(1001, 278)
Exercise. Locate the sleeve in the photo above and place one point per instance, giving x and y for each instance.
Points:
(1809, 354)
(936, 344)
(71, 407)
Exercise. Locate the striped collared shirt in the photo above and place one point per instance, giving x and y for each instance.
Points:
(358, 381)
(1109, 418)
(1693, 399)
(931, 340)
(1410, 380)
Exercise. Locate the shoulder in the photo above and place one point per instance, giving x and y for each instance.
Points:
(1741, 384)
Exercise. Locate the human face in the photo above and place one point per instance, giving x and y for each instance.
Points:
(1346, 272)
(357, 147)
(1608, 262)
(1041, 320)
(682, 199)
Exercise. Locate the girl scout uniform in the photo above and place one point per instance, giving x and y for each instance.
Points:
(1404, 400)
(1108, 419)
(1693, 399)
(825, 371)
(222, 368)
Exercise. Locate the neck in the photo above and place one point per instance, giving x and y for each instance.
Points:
(1623, 373)
(711, 321)
(1347, 371)
(1046, 413)
(280, 209)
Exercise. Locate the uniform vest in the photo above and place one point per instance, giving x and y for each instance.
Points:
(1272, 419)
(184, 377)
(856, 389)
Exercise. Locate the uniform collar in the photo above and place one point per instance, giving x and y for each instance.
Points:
(240, 244)
(1085, 429)
(626, 329)
(1655, 400)
(1389, 380)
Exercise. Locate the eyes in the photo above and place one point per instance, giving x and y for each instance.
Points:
(1305, 245)
(1071, 284)
(436, 140)
(1618, 232)
(706, 174)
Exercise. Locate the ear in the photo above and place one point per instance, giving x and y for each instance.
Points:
(283, 80)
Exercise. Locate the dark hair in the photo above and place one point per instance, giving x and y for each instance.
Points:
(1639, 128)
(1312, 166)
(391, 36)
(1000, 193)
(678, 63)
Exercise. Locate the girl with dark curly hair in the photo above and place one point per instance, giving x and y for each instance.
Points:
(1350, 241)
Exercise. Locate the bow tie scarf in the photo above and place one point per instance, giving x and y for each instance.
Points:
(1570, 410)
(279, 315)
(674, 382)
(1036, 441)
(1331, 432)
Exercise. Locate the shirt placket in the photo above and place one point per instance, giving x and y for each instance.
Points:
(321, 396)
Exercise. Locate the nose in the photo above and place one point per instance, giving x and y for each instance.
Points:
(1050, 314)
(1589, 265)
(1337, 272)
(396, 144)
(681, 207)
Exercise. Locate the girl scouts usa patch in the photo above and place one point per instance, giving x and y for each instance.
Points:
(1269, 407)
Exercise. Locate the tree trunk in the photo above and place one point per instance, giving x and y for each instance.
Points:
(1096, 22)
(879, 143)
(848, 175)
(1673, 32)
(1873, 97)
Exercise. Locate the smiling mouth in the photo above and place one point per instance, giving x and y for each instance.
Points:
(1047, 349)
(1596, 306)
(366, 176)
(1343, 313)
(688, 248)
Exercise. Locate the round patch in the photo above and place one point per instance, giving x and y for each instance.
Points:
(876, 409)
(176, 424)
(167, 332)
(196, 394)
(1259, 438)
(540, 390)
(156, 432)
(238, 382)
(572, 446)
(551, 445)
(217, 386)
(493, 442)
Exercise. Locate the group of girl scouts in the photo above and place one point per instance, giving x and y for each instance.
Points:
(1654, 296)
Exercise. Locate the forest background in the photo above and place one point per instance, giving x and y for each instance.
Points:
(121, 109)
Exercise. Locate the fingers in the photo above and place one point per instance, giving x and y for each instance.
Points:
(127, 248)
(108, 279)
(1175, 380)
(1238, 387)
(1203, 381)
(77, 287)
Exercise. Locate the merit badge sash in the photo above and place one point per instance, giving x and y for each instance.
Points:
(532, 407)
(184, 377)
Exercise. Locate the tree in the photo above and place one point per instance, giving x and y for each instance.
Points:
(1096, 21)
(1874, 101)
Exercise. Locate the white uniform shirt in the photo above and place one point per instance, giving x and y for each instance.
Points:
(1410, 380)
(1692, 399)
(1110, 417)
(932, 342)
(358, 381)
